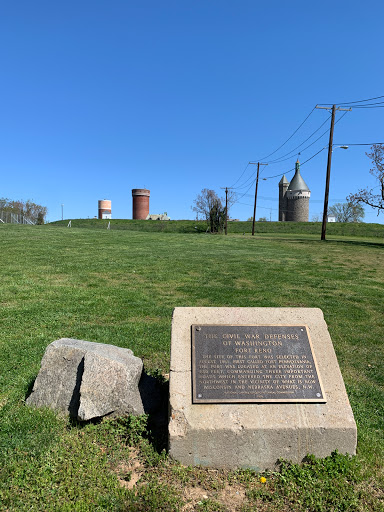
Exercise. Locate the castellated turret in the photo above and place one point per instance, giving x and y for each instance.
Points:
(294, 198)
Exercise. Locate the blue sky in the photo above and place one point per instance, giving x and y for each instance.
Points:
(99, 97)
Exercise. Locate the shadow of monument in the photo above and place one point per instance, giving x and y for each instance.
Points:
(154, 394)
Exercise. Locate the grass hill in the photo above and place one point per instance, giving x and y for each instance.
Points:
(349, 229)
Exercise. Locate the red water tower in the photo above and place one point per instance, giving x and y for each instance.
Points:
(140, 203)
(105, 209)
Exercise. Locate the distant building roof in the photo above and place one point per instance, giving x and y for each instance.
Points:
(283, 180)
(297, 182)
(157, 216)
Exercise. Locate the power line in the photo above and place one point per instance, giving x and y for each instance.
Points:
(243, 185)
(365, 144)
(246, 182)
(242, 174)
(273, 162)
(282, 158)
(290, 170)
(297, 147)
(293, 168)
(262, 207)
(311, 144)
(246, 167)
(363, 106)
(313, 156)
(353, 102)
(289, 138)
(369, 104)
(245, 192)
(279, 161)
(265, 198)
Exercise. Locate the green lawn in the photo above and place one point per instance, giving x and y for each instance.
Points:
(349, 229)
(120, 286)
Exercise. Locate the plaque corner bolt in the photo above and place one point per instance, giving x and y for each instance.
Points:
(198, 328)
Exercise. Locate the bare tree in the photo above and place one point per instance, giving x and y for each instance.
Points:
(204, 202)
(368, 196)
(347, 212)
(210, 206)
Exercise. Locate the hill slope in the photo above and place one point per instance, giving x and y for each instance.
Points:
(192, 226)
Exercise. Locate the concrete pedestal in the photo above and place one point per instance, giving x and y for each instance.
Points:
(256, 435)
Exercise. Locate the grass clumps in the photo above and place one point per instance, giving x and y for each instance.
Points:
(113, 465)
(154, 496)
(333, 483)
(207, 505)
(316, 485)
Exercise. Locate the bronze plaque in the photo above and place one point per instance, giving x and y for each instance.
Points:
(254, 363)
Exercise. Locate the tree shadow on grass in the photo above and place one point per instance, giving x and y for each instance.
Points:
(353, 243)
(360, 243)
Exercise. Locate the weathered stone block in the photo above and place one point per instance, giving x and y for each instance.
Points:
(88, 380)
(256, 435)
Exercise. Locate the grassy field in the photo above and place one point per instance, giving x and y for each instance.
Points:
(120, 286)
(349, 229)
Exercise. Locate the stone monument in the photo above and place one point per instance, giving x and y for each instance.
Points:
(249, 386)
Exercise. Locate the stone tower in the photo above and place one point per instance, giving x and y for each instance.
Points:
(283, 185)
(140, 203)
(294, 198)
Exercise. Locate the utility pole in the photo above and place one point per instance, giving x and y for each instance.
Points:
(62, 212)
(327, 179)
(257, 184)
(226, 209)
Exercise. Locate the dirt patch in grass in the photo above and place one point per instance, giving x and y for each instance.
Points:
(213, 488)
(231, 497)
(129, 472)
(244, 283)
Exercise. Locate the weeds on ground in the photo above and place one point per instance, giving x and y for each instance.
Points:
(317, 485)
